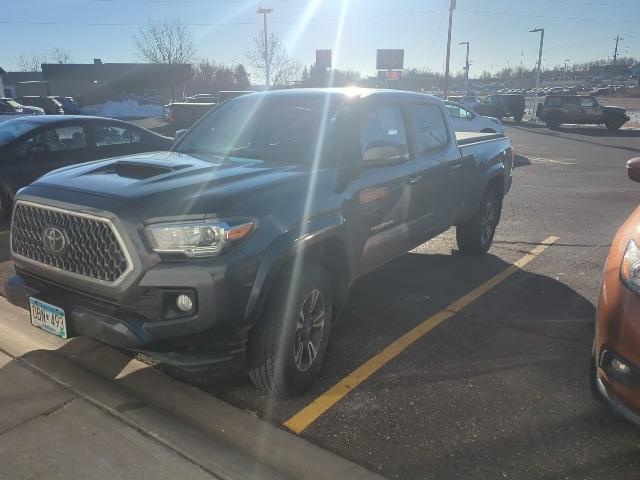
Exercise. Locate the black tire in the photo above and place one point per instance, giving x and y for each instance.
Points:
(553, 121)
(279, 360)
(5, 205)
(475, 236)
(614, 123)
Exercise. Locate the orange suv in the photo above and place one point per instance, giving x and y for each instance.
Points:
(615, 370)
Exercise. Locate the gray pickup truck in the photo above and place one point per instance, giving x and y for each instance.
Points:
(246, 237)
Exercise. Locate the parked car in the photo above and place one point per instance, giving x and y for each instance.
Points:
(11, 109)
(69, 105)
(580, 109)
(32, 146)
(247, 235)
(501, 106)
(50, 105)
(615, 367)
(465, 120)
(598, 92)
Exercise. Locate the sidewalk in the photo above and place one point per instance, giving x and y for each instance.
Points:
(77, 409)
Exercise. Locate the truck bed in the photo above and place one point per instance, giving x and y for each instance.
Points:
(465, 138)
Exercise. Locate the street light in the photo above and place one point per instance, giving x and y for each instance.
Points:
(565, 69)
(452, 7)
(265, 12)
(538, 69)
(466, 67)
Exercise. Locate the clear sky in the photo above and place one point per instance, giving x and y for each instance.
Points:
(578, 30)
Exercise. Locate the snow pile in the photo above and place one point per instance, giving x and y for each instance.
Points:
(123, 109)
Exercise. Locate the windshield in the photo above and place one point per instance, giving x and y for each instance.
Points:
(12, 129)
(279, 129)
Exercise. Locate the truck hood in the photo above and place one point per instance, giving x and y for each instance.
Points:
(619, 110)
(160, 184)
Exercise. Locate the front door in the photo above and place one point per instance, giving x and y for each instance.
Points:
(381, 191)
(114, 140)
(591, 111)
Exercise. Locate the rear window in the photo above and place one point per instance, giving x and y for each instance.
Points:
(430, 128)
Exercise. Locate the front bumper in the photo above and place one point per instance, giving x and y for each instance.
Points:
(193, 341)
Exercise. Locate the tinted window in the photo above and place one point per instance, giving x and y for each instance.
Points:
(383, 134)
(553, 102)
(430, 128)
(115, 135)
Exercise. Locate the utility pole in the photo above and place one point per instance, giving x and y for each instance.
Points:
(538, 69)
(466, 67)
(265, 12)
(565, 69)
(615, 53)
(452, 7)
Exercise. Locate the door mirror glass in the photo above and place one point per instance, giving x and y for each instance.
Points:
(633, 169)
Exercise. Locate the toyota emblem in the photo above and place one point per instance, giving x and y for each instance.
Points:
(54, 240)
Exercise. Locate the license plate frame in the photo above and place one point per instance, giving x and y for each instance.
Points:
(47, 317)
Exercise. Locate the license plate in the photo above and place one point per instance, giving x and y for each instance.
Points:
(48, 317)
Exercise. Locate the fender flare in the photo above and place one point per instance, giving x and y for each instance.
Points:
(286, 247)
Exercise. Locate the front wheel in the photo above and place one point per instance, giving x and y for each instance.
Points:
(287, 346)
(614, 124)
(475, 236)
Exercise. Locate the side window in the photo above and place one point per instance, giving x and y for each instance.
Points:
(454, 111)
(430, 129)
(136, 136)
(383, 135)
(587, 102)
(53, 140)
(553, 102)
(464, 113)
(113, 135)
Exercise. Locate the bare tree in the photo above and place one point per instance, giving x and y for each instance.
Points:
(165, 41)
(60, 55)
(283, 69)
(30, 62)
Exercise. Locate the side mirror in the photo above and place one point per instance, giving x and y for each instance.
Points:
(180, 133)
(633, 169)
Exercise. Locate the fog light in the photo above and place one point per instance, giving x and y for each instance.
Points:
(184, 303)
(619, 366)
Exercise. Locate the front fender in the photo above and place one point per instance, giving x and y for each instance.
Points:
(287, 246)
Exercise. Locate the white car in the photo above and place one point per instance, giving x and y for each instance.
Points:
(466, 120)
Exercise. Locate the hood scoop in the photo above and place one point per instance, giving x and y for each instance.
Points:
(137, 170)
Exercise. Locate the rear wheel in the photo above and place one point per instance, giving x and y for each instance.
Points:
(553, 121)
(475, 236)
(287, 346)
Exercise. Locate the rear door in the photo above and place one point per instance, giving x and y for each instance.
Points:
(572, 111)
(437, 184)
(114, 139)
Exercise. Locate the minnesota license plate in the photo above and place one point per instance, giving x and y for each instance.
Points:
(48, 317)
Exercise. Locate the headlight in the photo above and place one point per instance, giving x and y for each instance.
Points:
(630, 268)
(197, 239)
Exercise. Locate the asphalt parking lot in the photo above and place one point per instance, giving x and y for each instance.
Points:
(494, 384)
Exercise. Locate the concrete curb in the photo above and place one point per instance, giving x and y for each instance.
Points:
(224, 441)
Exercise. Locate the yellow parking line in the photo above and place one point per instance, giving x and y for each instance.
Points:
(309, 414)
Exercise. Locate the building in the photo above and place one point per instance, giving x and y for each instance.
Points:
(3, 75)
(98, 82)
(13, 78)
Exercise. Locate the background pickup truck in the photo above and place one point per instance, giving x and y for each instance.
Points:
(247, 236)
(579, 109)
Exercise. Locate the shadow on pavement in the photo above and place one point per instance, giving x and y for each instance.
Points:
(521, 161)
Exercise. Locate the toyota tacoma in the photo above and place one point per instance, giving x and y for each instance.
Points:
(245, 238)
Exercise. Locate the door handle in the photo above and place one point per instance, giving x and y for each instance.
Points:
(413, 179)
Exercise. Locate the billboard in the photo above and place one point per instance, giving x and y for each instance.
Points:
(323, 59)
(390, 59)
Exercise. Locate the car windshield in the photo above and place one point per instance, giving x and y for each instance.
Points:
(12, 129)
(283, 129)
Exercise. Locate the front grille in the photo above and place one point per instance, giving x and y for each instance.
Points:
(91, 246)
